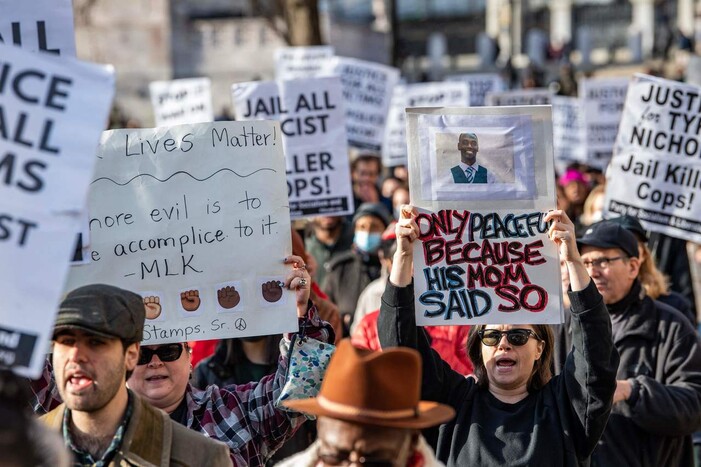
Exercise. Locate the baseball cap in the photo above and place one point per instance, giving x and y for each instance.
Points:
(632, 224)
(105, 310)
(608, 234)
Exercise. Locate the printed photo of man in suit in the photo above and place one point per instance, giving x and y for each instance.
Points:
(468, 171)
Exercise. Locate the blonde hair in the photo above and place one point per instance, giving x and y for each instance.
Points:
(654, 282)
(588, 209)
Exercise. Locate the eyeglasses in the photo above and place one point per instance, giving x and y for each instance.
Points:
(602, 263)
(517, 337)
(342, 458)
(166, 353)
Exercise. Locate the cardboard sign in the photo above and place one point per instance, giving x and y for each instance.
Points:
(38, 25)
(538, 96)
(181, 101)
(657, 163)
(300, 62)
(568, 131)
(480, 84)
(446, 94)
(483, 255)
(51, 114)
(602, 102)
(194, 218)
(314, 138)
(367, 91)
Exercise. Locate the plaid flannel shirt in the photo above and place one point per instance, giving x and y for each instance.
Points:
(242, 416)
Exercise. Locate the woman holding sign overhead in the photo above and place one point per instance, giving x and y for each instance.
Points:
(513, 411)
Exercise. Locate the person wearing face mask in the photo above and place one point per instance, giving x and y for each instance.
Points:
(349, 273)
(514, 412)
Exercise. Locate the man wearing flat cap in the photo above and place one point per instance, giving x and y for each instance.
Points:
(657, 403)
(369, 411)
(95, 348)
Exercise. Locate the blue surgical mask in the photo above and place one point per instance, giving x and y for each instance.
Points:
(367, 242)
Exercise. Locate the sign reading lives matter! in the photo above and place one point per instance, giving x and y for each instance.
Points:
(314, 136)
(657, 162)
(300, 62)
(483, 180)
(52, 111)
(181, 215)
(39, 25)
(602, 104)
(367, 92)
(444, 94)
(182, 101)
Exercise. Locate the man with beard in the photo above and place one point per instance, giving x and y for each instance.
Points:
(95, 349)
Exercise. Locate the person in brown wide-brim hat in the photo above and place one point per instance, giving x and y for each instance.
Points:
(371, 397)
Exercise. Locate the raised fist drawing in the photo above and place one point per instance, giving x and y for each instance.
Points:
(228, 297)
(272, 291)
(153, 306)
(190, 300)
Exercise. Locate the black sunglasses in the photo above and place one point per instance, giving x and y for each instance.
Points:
(166, 353)
(517, 337)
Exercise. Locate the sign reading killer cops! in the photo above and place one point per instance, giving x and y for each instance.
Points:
(657, 162)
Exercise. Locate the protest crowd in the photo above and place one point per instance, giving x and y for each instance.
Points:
(345, 268)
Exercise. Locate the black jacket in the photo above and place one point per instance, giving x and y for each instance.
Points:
(661, 356)
(556, 426)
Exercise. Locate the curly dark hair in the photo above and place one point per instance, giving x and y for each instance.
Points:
(542, 369)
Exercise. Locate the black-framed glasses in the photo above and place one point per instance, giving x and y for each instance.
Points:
(517, 337)
(602, 263)
(166, 353)
(342, 458)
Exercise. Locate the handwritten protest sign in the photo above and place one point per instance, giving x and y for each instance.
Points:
(602, 103)
(195, 219)
(314, 138)
(300, 62)
(182, 101)
(39, 25)
(51, 114)
(367, 91)
(657, 160)
(483, 254)
(480, 84)
(568, 131)
(444, 94)
(537, 96)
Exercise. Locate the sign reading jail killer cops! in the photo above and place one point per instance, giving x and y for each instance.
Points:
(536, 96)
(300, 62)
(480, 84)
(568, 131)
(483, 179)
(181, 215)
(52, 111)
(367, 91)
(314, 137)
(657, 162)
(181, 101)
(445, 94)
(602, 103)
(38, 25)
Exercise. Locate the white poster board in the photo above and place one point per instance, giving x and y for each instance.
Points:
(311, 118)
(602, 102)
(300, 62)
(195, 219)
(181, 101)
(655, 174)
(536, 96)
(52, 112)
(38, 25)
(483, 254)
(367, 91)
(568, 131)
(445, 94)
(480, 84)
